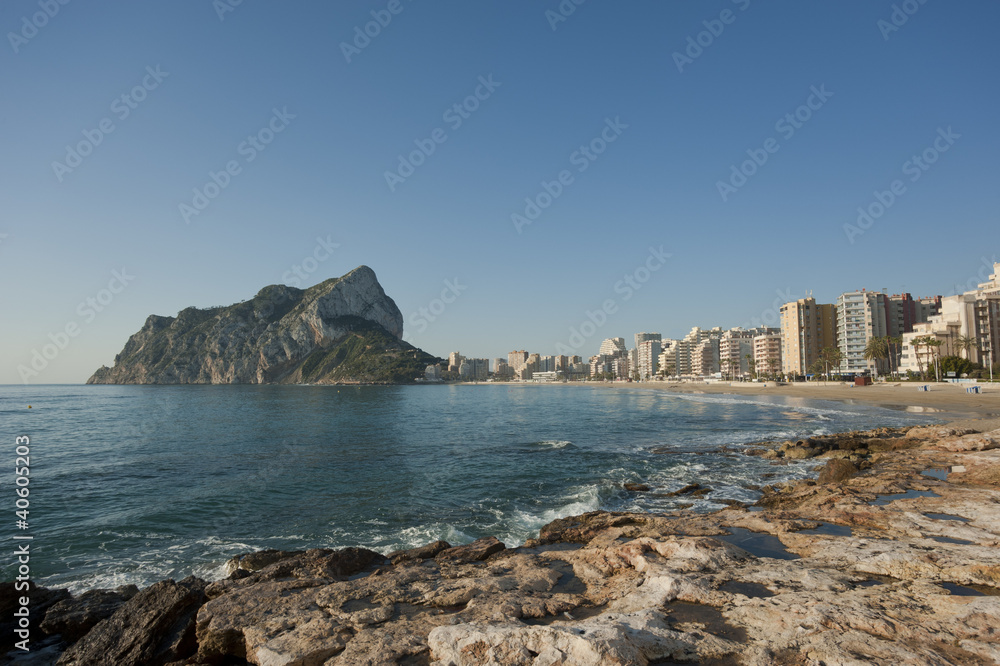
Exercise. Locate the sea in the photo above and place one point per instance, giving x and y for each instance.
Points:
(135, 484)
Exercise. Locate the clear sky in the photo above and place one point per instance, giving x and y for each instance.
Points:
(114, 113)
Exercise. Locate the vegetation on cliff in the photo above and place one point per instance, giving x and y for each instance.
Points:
(341, 330)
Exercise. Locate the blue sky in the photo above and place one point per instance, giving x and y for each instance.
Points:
(199, 81)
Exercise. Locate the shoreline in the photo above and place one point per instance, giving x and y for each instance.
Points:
(890, 556)
(944, 401)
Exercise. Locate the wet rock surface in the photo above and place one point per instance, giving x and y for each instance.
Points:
(816, 573)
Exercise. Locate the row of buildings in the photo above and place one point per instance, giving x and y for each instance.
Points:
(966, 324)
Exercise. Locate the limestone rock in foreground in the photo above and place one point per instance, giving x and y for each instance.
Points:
(73, 618)
(153, 628)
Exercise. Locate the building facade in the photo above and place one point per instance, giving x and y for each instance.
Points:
(807, 328)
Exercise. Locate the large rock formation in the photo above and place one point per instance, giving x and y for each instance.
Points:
(341, 330)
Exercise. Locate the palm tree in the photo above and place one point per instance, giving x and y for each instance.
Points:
(935, 346)
(917, 343)
(774, 365)
(752, 364)
(895, 345)
(876, 349)
(966, 343)
(830, 356)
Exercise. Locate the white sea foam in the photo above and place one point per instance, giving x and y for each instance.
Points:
(553, 444)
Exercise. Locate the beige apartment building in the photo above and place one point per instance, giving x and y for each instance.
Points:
(806, 328)
(767, 352)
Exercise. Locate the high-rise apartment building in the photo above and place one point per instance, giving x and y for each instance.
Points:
(648, 356)
(612, 346)
(474, 369)
(767, 352)
(861, 316)
(806, 328)
(735, 345)
(517, 360)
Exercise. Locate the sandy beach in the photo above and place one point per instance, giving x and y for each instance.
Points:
(949, 402)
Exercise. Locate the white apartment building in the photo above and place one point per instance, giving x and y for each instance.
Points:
(648, 357)
(861, 315)
(974, 314)
(735, 345)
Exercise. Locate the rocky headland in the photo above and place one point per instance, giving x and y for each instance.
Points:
(889, 557)
(343, 330)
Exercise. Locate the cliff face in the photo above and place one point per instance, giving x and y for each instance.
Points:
(344, 329)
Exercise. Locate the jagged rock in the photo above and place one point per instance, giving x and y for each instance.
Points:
(344, 329)
(837, 470)
(154, 627)
(476, 551)
(73, 618)
(256, 561)
(636, 487)
(420, 553)
(971, 442)
(633, 638)
(937, 432)
(316, 565)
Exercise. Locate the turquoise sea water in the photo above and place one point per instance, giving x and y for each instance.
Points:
(133, 484)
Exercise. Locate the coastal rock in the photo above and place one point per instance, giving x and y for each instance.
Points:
(73, 618)
(837, 471)
(636, 487)
(478, 550)
(154, 627)
(692, 489)
(341, 330)
(935, 432)
(256, 561)
(419, 553)
(858, 571)
(801, 453)
(632, 638)
(971, 442)
(315, 566)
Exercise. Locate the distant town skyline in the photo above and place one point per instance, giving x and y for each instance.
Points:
(513, 173)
